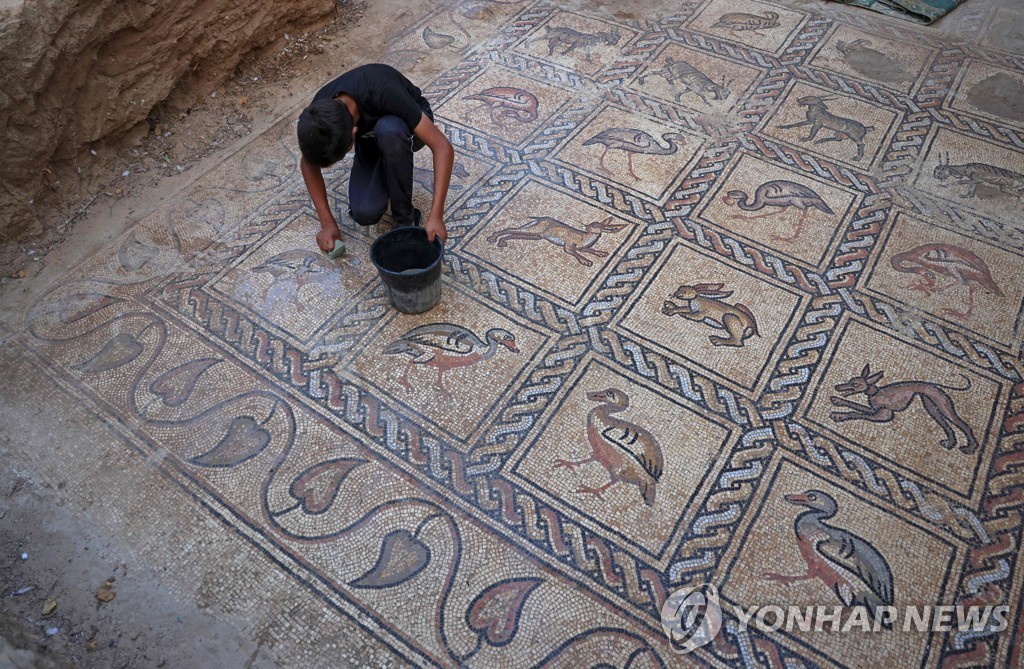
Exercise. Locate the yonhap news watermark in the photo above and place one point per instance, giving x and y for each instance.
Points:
(692, 617)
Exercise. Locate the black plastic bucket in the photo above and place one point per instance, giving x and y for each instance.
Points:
(410, 268)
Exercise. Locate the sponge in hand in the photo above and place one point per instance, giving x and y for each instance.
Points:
(339, 249)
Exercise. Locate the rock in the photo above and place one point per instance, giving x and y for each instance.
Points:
(74, 72)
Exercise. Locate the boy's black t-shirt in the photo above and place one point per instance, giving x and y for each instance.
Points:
(379, 90)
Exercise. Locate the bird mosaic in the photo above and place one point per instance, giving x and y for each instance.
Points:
(962, 267)
(505, 103)
(783, 195)
(290, 272)
(847, 564)
(629, 453)
(631, 141)
(446, 346)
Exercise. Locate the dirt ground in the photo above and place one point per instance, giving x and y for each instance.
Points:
(54, 573)
(183, 136)
(54, 563)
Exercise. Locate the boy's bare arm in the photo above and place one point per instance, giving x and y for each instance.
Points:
(314, 180)
(444, 157)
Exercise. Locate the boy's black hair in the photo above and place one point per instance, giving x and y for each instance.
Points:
(325, 132)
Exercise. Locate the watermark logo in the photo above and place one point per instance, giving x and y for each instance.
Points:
(691, 617)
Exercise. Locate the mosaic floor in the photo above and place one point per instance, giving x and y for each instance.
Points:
(716, 280)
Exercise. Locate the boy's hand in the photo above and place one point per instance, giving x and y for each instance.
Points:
(435, 228)
(329, 232)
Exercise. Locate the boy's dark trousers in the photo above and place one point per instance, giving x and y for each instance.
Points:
(382, 171)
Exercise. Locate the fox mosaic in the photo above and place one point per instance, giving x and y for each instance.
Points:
(885, 401)
(574, 242)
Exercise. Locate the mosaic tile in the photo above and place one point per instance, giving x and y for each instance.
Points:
(578, 43)
(634, 152)
(972, 173)
(539, 228)
(989, 91)
(713, 315)
(808, 119)
(912, 558)
(758, 24)
(929, 415)
(565, 462)
(680, 337)
(952, 276)
(455, 386)
(694, 79)
(504, 104)
(756, 192)
(897, 64)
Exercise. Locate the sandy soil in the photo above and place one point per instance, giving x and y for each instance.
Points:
(53, 570)
(182, 137)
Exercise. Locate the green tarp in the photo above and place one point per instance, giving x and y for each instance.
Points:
(921, 11)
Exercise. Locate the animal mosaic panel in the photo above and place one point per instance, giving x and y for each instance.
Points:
(808, 119)
(901, 560)
(952, 276)
(991, 91)
(797, 216)
(731, 298)
(451, 369)
(982, 176)
(756, 24)
(1003, 29)
(726, 321)
(875, 58)
(505, 104)
(617, 138)
(601, 449)
(694, 79)
(925, 414)
(583, 45)
(540, 228)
